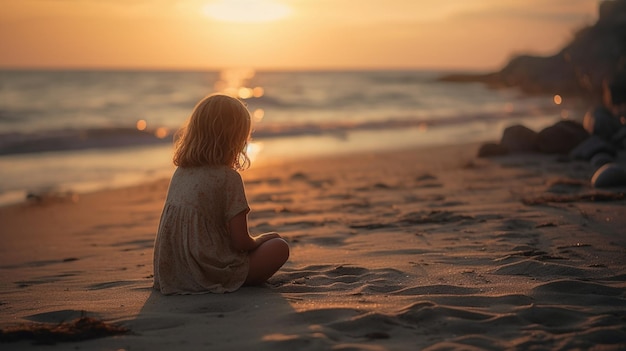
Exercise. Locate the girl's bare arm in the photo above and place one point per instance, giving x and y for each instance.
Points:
(240, 237)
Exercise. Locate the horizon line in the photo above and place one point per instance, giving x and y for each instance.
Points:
(257, 69)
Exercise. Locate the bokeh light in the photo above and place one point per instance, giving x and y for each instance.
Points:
(258, 114)
(244, 93)
(142, 124)
(257, 92)
(161, 132)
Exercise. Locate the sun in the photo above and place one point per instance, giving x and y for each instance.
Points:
(246, 11)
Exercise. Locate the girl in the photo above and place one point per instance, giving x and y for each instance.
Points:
(203, 244)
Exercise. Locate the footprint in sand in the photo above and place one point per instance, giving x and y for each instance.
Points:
(352, 280)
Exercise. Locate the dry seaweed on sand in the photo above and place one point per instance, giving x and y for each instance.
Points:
(80, 329)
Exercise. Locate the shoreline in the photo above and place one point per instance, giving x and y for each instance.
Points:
(78, 172)
(266, 153)
(419, 248)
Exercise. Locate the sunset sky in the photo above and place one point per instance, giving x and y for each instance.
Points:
(284, 34)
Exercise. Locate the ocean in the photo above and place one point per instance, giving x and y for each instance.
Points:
(81, 131)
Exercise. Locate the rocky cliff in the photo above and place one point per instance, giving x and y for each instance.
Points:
(595, 55)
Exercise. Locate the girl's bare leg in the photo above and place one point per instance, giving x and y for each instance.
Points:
(266, 260)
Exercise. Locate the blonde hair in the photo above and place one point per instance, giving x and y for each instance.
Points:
(216, 134)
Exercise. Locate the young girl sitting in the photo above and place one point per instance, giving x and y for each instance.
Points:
(203, 244)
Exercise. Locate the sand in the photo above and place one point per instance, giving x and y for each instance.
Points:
(428, 249)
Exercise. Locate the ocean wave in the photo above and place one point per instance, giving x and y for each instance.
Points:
(6, 117)
(401, 77)
(104, 138)
(74, 139)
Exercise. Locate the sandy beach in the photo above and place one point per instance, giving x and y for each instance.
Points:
(423, 249)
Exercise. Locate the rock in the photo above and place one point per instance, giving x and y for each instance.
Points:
(600, 159)
(609, 175)
(561, 138)
(601, 122)
(492, 149)
(619, 138)
(594, 54)
(615, 91)
(519, 139)
(590, 147)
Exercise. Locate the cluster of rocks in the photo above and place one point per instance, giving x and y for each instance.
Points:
(591, 67)
(597, 140)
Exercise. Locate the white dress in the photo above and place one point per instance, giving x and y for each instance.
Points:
(193, 251)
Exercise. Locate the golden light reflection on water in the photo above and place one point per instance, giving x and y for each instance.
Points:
(244, 93)
(236, 83)
(253, 149)
(232, 82)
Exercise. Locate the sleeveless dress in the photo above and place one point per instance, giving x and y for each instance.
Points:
(192, 251)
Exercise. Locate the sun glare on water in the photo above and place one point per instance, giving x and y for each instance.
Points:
(246, 11)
